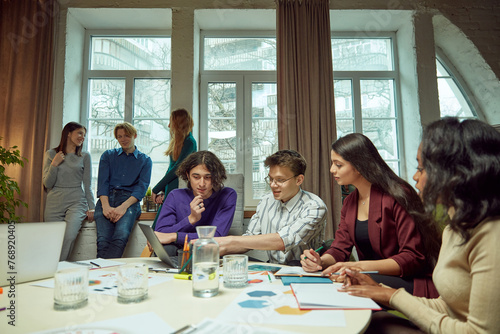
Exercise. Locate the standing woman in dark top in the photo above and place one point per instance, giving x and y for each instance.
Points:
(383, 218)
(182, 144)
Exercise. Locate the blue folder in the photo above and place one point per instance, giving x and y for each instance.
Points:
(286, 280)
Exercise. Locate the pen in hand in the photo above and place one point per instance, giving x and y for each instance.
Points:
(316, 250)
(360, 272)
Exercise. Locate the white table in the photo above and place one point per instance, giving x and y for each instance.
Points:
(172, 301)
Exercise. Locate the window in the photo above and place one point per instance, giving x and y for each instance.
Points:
(128, 79)
(365, 85)
(239, 106)
(453, 101)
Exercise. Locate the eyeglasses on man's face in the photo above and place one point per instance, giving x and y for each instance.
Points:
(279, 182)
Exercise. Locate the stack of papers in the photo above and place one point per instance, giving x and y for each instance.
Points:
(327, 297)
(296, 271)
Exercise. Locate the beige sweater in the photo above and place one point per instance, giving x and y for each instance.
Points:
(466, 277)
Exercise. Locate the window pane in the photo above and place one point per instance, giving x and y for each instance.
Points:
(153, 137)
(229, 53)
(394, 166)
(364, 54)
(384, 136)
(151, 98)
(130, 53)
(107, 98)
(377, 98)
(344, 116)
(440, 70)
(451, 100)
(264, 132)
(222, 122)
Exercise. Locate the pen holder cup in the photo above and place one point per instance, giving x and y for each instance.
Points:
(183, 257)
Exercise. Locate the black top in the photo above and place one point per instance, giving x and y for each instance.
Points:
(363, 240)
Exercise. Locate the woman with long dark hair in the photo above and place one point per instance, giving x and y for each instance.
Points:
(65, 169)
(182, 144)
(382, 218)
(459, 170)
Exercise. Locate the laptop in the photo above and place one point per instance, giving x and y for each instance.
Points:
(157, 245)
(30, 251)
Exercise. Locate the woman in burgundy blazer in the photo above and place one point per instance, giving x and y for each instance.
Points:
(382, 218)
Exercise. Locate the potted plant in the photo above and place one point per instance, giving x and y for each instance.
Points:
(146, 200)
(8, 187)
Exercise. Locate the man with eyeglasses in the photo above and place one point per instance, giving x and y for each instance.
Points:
(287, 221)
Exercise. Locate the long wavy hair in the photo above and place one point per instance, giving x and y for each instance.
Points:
(462, 162)
(363, 155)
(210, 161)
(181, 124)
(68, 128)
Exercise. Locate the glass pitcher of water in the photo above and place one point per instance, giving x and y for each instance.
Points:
(205, 263)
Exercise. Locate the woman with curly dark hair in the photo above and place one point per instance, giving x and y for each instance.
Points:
(459, 169)
(205, 201)
(383, 218)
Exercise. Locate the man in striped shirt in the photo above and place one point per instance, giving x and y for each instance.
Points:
(287, 221)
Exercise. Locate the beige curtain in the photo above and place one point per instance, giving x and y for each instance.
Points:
(26, 68)
(306, 116)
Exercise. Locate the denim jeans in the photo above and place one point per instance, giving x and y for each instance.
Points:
(113, 237)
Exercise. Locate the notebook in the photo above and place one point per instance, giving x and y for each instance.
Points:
(327, 297)
(30, 251)
(157, 245)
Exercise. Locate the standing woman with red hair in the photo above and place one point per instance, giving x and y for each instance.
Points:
(182, 144)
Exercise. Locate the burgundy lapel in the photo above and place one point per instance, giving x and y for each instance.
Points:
(375, 219)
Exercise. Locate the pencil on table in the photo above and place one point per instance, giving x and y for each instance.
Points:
(186, 245)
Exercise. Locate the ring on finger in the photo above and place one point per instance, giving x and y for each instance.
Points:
(199, 205)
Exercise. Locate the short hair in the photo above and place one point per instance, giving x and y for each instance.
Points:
(68, 128)
(288, 158)
(462, 162)
(130, 130)
(210, 161)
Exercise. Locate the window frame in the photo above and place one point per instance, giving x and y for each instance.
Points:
(462, 86)
(243, 80)
(357, 76)
(128, 75)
